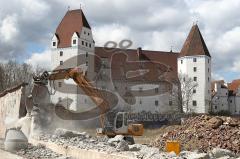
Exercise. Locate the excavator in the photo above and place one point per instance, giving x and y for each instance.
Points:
(120, 126)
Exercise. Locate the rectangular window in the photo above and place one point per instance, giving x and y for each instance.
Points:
(140, 89)
(86, 63)
(59, 84)
(194, 91)
(156, 90)
(140, 102)
(208, 70)
(156, 102)
(86, 43)
(194, 59)
(61, 62)
(88, 34)
(74, 41)
(195, 69)
(208, 60)
(90, 45)
(181, 61)
(86, 54)
(84, 32)
(195, 79)
(61, 53)
(215, 107)
(54, 43)
(82, 42)
(170, 102)
(208, 79)
(194, 103)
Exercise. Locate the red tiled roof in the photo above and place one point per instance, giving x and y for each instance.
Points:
(194, 44)
(234, 85)
(72, 22)
(167, 62)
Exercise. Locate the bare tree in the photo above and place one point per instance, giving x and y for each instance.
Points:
(12, 74)
(183, 92)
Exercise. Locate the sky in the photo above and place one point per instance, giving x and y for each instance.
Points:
(27, 26)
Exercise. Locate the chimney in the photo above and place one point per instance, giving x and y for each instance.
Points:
(139, 51)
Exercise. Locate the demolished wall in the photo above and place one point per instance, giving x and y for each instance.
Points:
(12, 107)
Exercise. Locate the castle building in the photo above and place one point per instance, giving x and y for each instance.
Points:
(136, 80)
(226, 97)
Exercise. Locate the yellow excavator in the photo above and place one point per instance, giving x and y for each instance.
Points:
(120, 126)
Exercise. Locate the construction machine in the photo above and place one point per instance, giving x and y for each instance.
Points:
(120, 126)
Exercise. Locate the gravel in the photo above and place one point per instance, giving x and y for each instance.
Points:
(37, 152)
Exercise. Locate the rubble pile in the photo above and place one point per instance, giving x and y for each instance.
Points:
(203, 133)
(37, 152)
(119, 146)
(81, 140)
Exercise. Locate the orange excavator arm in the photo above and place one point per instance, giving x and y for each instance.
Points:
(80, 79)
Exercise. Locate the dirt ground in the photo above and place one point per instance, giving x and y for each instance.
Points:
(151, 134)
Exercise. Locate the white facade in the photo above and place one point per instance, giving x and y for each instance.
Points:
(220, 98)
(82, 44)
(197, 68)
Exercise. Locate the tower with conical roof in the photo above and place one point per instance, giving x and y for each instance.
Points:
(194, 62)
(72, 46)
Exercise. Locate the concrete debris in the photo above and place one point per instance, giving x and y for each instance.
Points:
(68, 134)
(194, 155)
(218, 152)
(215, 122)
(204, 133)
(119, 146)
(37, 152)
(135, 147)
(114, 141)
(122, 146)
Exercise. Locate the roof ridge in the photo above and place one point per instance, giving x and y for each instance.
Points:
(142, 50)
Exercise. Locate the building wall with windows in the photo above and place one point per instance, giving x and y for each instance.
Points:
(198, 68)
(73, 37)
(220, 98)
(72, 46)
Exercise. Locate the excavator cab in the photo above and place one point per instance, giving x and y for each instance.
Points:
(121, 125)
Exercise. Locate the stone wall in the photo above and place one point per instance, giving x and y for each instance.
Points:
(12, 107)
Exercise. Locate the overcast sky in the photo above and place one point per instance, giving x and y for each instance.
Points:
(27, 26)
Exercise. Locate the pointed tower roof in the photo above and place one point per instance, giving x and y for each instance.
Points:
(72, 22)
(194, 44)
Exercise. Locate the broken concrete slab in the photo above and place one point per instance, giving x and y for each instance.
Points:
(218, 152)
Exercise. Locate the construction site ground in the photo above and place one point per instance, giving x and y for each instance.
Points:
(208, 137)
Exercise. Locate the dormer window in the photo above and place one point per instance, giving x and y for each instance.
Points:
(54, 43)
(74, 42)
(194, 59)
